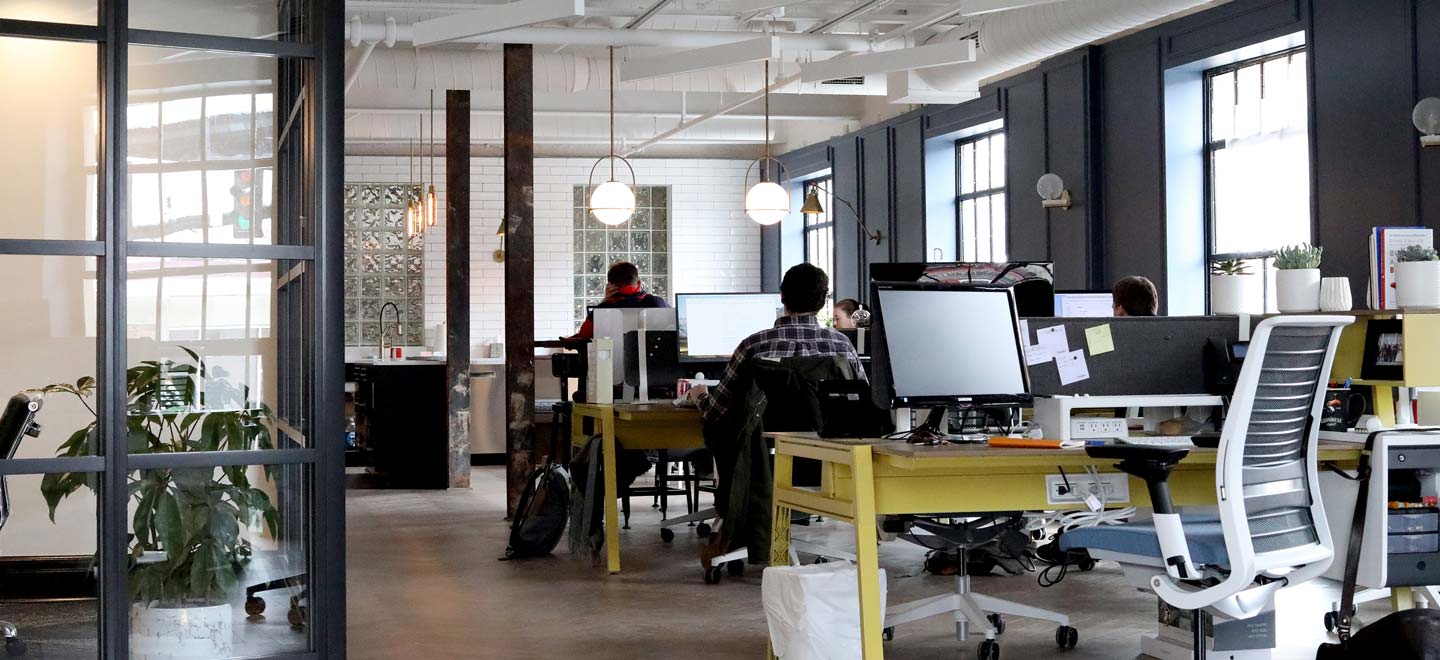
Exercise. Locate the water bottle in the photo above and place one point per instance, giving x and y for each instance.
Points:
(349, 431)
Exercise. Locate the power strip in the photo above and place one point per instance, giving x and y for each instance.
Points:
(1116, 488)
(1098, 428)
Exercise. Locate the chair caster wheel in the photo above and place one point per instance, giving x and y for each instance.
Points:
(1066, 637)
(998, 622)
(1330, 621)
(1086, 565)
(712, 575)
(254, 606)
(735, 568)
(666, 534)
(702, 530)
(989, 650)
(888, 634)
(15, 647)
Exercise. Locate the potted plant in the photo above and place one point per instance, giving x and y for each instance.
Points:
(1229, 282)
(187, 549)
(1417, 277)
(1297, 285)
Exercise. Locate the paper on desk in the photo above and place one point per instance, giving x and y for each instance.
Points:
(1072, 367)
(1051, 342)
(1025, 333)
(1099, 339)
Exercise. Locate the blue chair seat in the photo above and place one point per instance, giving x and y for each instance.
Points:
(1203, 534)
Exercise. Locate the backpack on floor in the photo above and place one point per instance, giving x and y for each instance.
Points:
(541, 514)
(1412, 634)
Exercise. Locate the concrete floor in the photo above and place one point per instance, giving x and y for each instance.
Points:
(425, 581)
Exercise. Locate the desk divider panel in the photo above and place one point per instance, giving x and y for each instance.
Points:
(1152, 355)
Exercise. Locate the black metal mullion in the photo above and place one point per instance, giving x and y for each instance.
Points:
(11, 27)
(57, 248)
(111, 320)
(205, 459)
(211, 42)
(52, 465)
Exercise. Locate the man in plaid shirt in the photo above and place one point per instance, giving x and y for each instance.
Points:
(797, 333)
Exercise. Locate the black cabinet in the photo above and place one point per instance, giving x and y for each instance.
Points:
(400, 425)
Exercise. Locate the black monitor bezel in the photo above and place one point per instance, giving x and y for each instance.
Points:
(682, 337)
(881, 351)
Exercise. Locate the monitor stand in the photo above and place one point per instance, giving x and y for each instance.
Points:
(932, 430)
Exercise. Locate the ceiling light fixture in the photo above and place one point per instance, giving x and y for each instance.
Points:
(613, 202)
(767, 202)
(430, 216)
(413, 224)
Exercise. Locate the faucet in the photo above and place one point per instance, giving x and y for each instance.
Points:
(389, 305)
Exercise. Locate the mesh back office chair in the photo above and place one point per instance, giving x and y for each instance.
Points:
(1271, 530)
(16, 422)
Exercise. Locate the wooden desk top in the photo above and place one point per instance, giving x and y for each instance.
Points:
(648, 411)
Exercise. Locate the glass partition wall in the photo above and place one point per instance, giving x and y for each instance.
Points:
(170, 257)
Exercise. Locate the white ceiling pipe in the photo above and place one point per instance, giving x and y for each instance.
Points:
(576, 36)
(1023, 37)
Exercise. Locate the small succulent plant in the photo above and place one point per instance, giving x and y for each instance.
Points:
(1230, 267)
(1298, 257)
(1417, 253)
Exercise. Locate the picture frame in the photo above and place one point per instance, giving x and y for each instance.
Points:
(1384, 357)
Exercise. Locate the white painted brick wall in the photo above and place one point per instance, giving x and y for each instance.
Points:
(713, 246)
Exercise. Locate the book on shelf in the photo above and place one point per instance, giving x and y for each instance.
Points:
(1385, 244)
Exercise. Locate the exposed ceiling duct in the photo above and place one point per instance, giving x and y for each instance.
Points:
(1023, 37)
(358, 31)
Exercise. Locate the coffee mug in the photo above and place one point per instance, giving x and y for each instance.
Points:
(1342, 409)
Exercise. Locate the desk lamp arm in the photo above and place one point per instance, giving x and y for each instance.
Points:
(873, 235)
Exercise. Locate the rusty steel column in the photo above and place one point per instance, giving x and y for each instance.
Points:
(519, 268)
(457, 282)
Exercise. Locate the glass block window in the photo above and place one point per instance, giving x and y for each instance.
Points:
(381, 264)
(643, 240)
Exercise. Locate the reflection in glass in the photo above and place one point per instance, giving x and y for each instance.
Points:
(216, 557)
(49, 133)
(251, 19)
(76, 12)
(48, 585)
(201, 146)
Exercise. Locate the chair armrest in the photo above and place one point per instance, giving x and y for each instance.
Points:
(1154, 464)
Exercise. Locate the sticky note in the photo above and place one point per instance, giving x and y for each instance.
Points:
(1072, 367)
(1099, 339)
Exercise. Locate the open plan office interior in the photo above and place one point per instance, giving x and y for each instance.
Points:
(711, 329)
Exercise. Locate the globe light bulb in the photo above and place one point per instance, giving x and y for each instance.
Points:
(612, 203)
(767, 203)
(1427, 116)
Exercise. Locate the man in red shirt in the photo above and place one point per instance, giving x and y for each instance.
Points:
(623, 290)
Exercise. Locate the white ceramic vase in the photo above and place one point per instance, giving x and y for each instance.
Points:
(1298, 290)
(1417, 284)
(1335, 294)
(1229, 293)
(181, 633)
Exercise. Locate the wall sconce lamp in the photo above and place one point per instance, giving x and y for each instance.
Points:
(812, 206)
(499, 254)
(1427, 119)
(1053, 194)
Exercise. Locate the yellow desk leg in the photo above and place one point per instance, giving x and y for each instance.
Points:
(866, 555)
(1383, 400)
(612, 494)
(780, 525)
(1401, 599)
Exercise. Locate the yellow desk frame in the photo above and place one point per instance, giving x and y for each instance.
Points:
(865, 478)
(639, 426)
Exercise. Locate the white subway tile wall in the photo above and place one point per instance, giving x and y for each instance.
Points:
(713, 246)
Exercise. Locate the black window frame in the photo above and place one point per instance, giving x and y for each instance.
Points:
(822, 187)
(977, 193)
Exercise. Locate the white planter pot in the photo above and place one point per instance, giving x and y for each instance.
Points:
(181, 633)
(1230, 294)
(1417, 284)
(1298, 290)
(1335, 294)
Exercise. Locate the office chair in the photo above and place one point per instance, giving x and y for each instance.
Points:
(16, 422)
(1271, 531)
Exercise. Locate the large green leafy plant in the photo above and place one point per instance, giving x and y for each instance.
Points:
(186, 549)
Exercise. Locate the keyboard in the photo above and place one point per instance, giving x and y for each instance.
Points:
(1157, 441)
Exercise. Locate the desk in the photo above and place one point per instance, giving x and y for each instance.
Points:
(863, 478)
(639, 426)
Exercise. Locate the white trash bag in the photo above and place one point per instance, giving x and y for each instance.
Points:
(814, 611)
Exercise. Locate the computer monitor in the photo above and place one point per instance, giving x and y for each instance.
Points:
(711, 325)
(1032, 281)
(1084, 304)
(942, 345)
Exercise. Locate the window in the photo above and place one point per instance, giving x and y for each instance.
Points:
(643, 240)
(1258, 163)
(819, 231)
(382, 265)
(980, 205)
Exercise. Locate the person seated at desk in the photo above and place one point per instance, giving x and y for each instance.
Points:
(798, 333)
(843, 310)
(623, 290)
(1135, 296)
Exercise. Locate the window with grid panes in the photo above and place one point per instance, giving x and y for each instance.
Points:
(643, 240)
(819, 230)
(1258, 162)
(980, 204)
